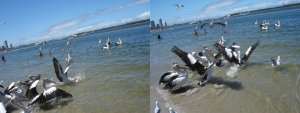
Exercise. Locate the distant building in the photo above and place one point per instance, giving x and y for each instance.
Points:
(160, 23)
(157, 26)
(152, 24)
(5, 44)
(10, 46)
(166, 24)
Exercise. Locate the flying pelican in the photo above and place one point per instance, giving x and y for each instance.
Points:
(157, 108)
(276, 62)
(49, 95)
(119, 42)
(61, 74)
(178, 5)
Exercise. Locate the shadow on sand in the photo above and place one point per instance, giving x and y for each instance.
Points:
(231, 84)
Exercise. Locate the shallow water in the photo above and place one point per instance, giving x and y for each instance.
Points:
(256, 88)
(114, 81)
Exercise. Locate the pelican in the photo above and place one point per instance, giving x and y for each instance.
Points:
(178, 5)
(32, 91)
(119, 42)
(69, 59)
(49, 95)
(15, 101)
(2, 108)
(222, 41)
(207, 74)
(99, 41)
(231, 56)
(176, 82)
(106, 47)
(157, 108)
(61, 74)
(277, 25)
(165, 78)
(276, 62)
(171, 110)
(189, 60)
(264, 27)
(68, 43)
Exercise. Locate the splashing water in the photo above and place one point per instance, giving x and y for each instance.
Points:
(232, 71)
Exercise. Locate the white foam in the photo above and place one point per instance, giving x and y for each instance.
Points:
(232, 71)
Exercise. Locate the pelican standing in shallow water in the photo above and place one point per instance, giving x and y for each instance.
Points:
(61, 75)
(119, 42)
(277, 25)
(69, 59)
(276, 62)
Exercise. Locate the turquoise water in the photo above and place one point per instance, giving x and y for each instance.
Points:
(113, 81)
(257, 88)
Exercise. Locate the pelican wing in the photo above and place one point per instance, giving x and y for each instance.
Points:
(58, 69)
(189, 60)
(249, 51)
(49, 94)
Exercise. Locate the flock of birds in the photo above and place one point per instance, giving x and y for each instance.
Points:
(20, 92)
(206, 60)
(108, 43)
(265, 25)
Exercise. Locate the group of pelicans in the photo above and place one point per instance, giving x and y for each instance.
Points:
(265, 25)
(108, 43)
(203, 63)
(20, 92)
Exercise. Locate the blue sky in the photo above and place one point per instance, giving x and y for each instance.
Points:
(204, 9)
(37, 20)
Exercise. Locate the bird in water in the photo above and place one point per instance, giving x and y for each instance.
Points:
(276, 62)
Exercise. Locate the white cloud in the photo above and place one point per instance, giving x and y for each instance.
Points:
(72, 26)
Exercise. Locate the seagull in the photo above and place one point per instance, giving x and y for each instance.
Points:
(61, 74)
(176, 82)
(255, 22)
(178, 5)
(49, 95)
(165, 78)
(119, 42)
(276, 62)
(157, 108)
(171, 110)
